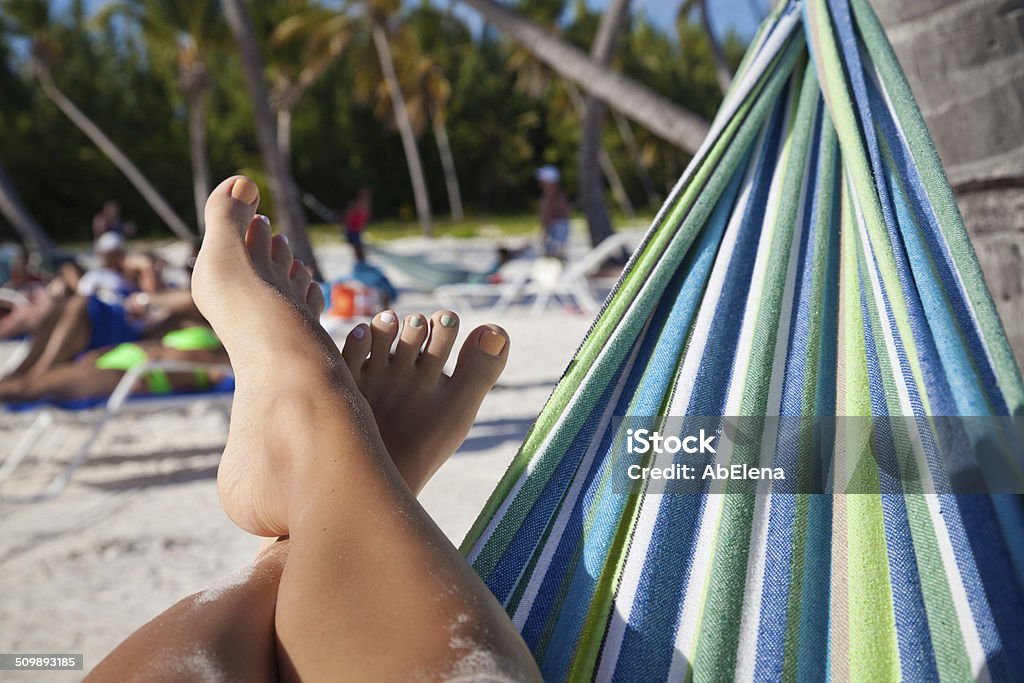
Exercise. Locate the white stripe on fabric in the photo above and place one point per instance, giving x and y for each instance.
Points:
(693, 597)
(968, 627)
(547, 552)
(750, 619)
(633, 567)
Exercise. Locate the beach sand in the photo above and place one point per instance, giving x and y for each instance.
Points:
(140, 526)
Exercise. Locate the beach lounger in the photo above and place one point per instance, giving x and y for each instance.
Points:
(42, 442)
(542, 280)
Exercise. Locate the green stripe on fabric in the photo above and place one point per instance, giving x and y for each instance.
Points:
(719, 635)
(841, 107)
(824, 242)
(873, 653)
(943, 203)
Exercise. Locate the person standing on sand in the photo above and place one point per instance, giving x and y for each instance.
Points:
(357, 215)
(554, 212)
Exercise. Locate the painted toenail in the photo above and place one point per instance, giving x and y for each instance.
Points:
(492, 343)
(387, 317)
(358, 332)
(416, 321)
(245, 190)
(449, 320)
(263, 218)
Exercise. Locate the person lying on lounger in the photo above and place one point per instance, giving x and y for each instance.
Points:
(97, 373)
(326, 452)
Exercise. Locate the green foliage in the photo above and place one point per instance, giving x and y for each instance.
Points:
(123, 68)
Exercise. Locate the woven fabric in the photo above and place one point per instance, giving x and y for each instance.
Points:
(810, 262)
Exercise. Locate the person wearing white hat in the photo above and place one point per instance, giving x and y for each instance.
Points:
(554, 212)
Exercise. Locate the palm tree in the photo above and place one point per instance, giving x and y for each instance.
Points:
(428, 94)
(591, 190)
(32, 20)
(186, 33)
(378, 12)
(722, 71)
(662, 117)
(290, 218)
(965, 64)
(20, 219)
(302, 47)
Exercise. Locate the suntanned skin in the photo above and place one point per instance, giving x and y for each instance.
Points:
(366, 587)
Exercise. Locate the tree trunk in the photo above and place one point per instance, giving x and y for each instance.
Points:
(412, 153)
(611, 176)
(591, 189)
(451, 179)
(965, 64)
(626, 131)
(722, 71)
(19, 217)
(284, 133)
(112, 152)
(290, 218)
(662, 117)
(197, 153)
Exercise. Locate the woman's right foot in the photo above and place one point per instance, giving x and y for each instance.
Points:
(423, 415)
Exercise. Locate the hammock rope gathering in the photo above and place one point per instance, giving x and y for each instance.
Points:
(810, 262)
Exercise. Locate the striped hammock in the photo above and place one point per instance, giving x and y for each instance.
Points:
(810, 262)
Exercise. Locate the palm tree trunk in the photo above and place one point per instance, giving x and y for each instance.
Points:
(594, 111)
(965, 64)
(19, 217)
(615, 183)
(626, 132)
(611, 176)
(198, 155)
(722, 71)
(290, 218)
(661, 116)
(284, 133)
(412, 153)
(451, 179)
(112, 152)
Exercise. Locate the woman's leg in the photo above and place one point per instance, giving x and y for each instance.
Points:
(63, 337)
(371, 587)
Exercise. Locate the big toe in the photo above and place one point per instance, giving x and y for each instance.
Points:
(481, 361)
(229, 211)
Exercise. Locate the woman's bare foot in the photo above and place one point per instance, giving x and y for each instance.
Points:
(245, 283)
(423, 415)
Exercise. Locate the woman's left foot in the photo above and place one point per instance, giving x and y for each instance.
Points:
(423, 415)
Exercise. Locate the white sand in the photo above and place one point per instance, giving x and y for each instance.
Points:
(140, 526)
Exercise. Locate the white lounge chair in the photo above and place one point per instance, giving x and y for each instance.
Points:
(47, 433)
(542, 279)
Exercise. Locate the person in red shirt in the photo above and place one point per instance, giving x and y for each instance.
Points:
(357, 215)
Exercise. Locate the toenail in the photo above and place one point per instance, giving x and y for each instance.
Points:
(245, 190)
(263, 218)
(284, 237)
(387, 317)
(416, 321)
(449, 320)
(358, 332)
(492, 343)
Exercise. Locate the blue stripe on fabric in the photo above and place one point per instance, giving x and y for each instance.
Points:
(775, 602)
(711, 385)
(645, 394)
(997, 584)
(635, 662)
(917, 655)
